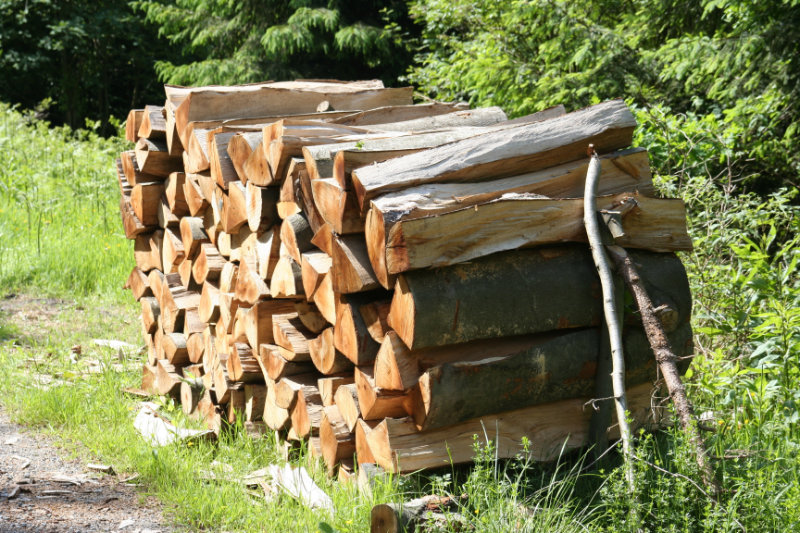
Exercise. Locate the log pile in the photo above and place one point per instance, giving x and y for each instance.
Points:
(383, 279)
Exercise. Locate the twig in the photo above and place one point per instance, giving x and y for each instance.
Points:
(603, 266)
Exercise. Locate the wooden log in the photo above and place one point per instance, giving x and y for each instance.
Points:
(138, 283)
(314, 265)
(250, 287)
(234, 207)
(362, 430)
(133, 123)
(310, 316)
(537, 290)
(351, 336)
(553, 368)
(326, 358)
(306, 200)
(267, 249)
(240, 147)
(195, 200)
(275, 366)
(208, 264)
(517, 221)
(229, 277)
(525, 148)
(255, 396)
(257, 320)
(353, 272)
(291, 336)
(306, 413)
(296, 235)
(147, 251)
(153, 158)
(242, 365)
(195, 345)
(336, 440)
(145, 198)
(191, 392)
(153, 124)
(150, 313)
(287, 279)
(287, 389)
(174, 348)
(261, 207)
(174, 304)
(346, 399)
(167, 379)
(337, 206)
(375, 315)
(131, 172)
(386, 114)
(275, 417)
(551, 428)
(428, 513)
(192, 236)
(172, 251)
(174, 144)
(228, 305)
(328, 386)
(166, 218)
(174, 192)
(220, 164)
(375, 403)
(325, 298)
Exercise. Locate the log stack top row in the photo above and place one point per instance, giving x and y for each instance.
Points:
(385, 278)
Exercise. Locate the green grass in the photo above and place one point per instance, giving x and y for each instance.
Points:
(61, 238)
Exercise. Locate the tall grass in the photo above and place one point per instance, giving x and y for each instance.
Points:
(59, 209)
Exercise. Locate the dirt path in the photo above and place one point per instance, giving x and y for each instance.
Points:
(40, 492)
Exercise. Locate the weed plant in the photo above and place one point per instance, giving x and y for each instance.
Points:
(61, 235)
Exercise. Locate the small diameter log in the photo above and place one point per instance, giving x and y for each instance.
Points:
(337, 206)
(336, 440)
(291, 336)
(166, 218)
(325, 298)
(454, 305)
(287, 388)
(351, 335)
(376, 317)
(267, 250)
(375, 403)
(261, 207)
(195, 345)
(346, 399)
(353, 272)
(208, 264)
(275, 366)
(326, 358)
(222, 169)
(173, 306)
(428, 513)
(208, 307)
(234, 208)
(174, 348)
(229, 277)
(256, 168)
(362, 430)
(185, 272)
(168, 379)
(306, 413)
(257, 320)
(323, 239)
(328, 386)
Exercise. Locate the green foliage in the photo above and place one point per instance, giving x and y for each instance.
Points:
(732, 62)
(59, 209)
(249, 41)
(89, 59)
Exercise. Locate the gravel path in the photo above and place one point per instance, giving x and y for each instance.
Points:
(40, 492)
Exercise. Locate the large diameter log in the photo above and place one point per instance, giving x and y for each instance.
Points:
(525, 148)
(518, 221)
(550, 428)
(518, 293)
(552, 368)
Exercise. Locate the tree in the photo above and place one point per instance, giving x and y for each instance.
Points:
(734, 61)
(250, 40)
(86, 59)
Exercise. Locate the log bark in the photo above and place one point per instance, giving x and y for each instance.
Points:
(517, 293)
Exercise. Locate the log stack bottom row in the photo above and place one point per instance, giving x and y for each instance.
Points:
(387, 279)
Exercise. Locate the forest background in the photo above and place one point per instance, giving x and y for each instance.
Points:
(714, 84)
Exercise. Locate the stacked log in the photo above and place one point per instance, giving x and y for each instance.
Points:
(383, 279)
